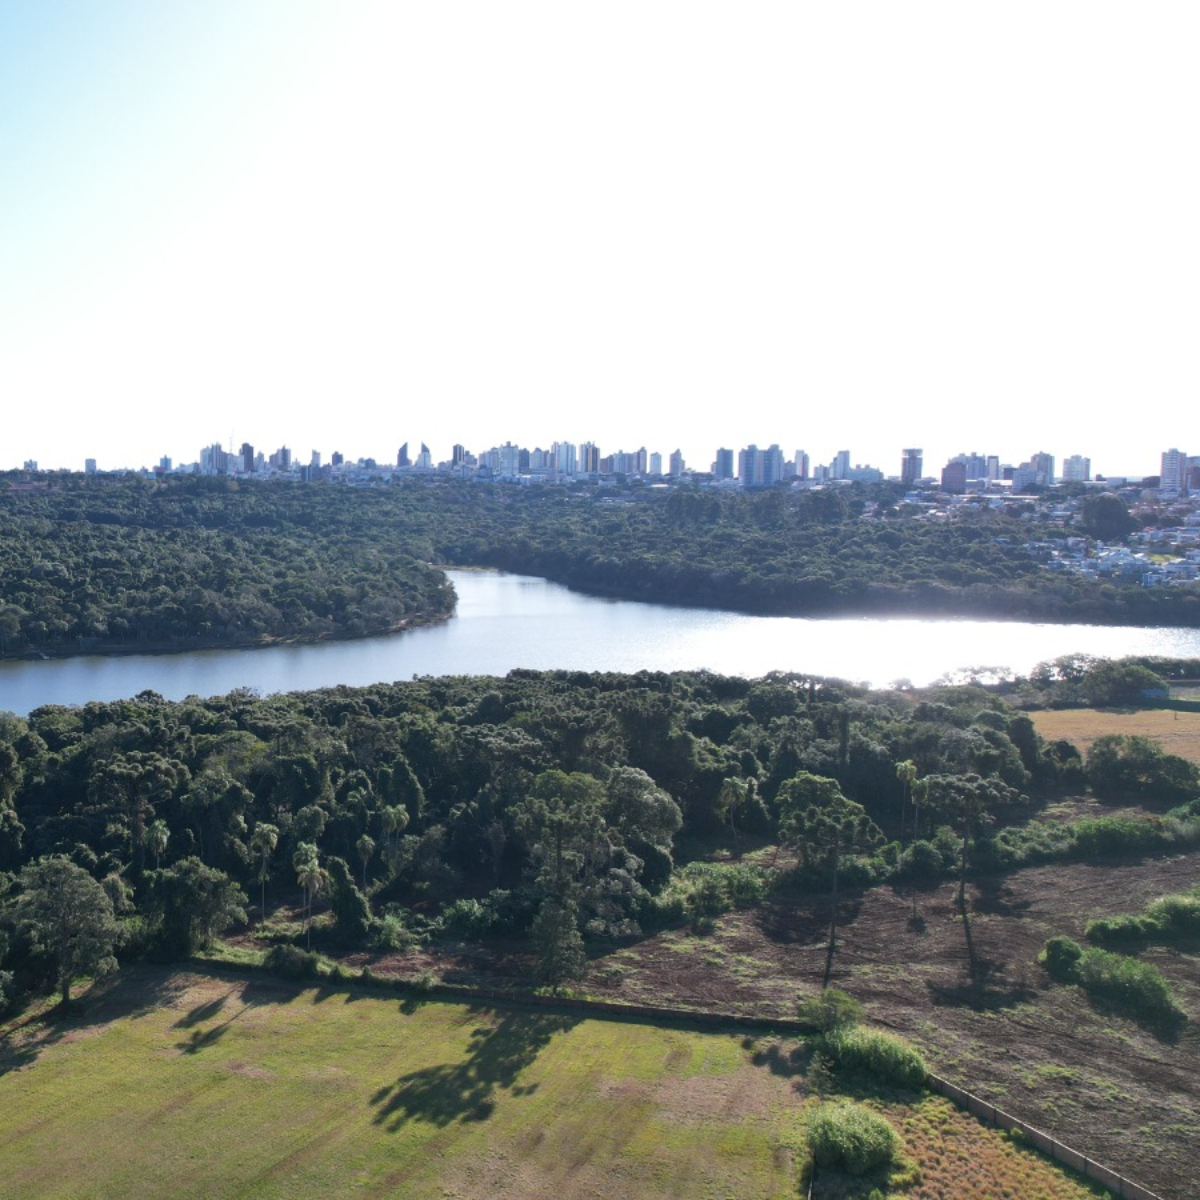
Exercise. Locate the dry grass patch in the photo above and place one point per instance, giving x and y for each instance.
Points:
(1179, 732)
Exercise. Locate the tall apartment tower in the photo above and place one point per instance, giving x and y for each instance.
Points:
(1077, 469)
(675, 464)
(910, 466)
(1043, 465)
(840, 467)
(589, 458)
(723, 464)
(802, 464)
(402, 459)
(247, 454)
(1174, 471)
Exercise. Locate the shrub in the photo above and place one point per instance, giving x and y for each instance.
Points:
(1175, 916)
(291, 962)
(1102, 836)
(468, 918)
(1123, 930)
(1060, 957)
(852, 1137)
(830, 1010)
(1136, 987)
(388, 933)
(883, 1055)
(922, 860)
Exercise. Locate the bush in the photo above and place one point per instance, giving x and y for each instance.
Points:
(1060, 957)
(852, 1137)
(1100, 837)
(1136, 987)
(922, 860)
(830, 1010)
(467, 918)
(389, 933)
(882, 1055)
(1124, 930)
(1175, 917)
(291, 962)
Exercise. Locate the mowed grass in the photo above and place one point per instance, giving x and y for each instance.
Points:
(1179, 732)
(191, 1084)
(220, 1086)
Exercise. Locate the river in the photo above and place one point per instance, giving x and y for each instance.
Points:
(507, 621)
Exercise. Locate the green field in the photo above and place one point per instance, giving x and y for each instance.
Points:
(206, 1084)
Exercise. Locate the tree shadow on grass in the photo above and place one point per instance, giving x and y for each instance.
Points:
(466, 1090)
(199, 1039)
(123, 995)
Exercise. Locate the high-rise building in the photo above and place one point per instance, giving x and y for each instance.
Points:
(1173, 471)
(89, 466)
(336, 458)
(1077, 469)
(247, 454)
(993, 467)
(723, 464)
(1043, 467)
(911, 462)
(589, 458)
(760, 468)
(565, 458)
(402, 459)
(840, 467)
(655, 467)
(458, 455)
(676, 463)
(424, 459)
(954, 476)
(801, 464)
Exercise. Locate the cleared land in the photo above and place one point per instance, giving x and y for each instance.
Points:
(1179, 732)
(206, 1084)
(1095, 1079)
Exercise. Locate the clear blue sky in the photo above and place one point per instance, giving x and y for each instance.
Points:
(344, 226)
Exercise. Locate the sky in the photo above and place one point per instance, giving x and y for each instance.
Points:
(858, 226)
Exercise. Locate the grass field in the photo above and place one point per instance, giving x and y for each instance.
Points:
(1179, 732)
(206, 1084)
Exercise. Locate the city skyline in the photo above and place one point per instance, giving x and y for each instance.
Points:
(750, 465)
(380, 223)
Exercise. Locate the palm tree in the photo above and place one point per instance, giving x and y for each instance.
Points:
(157, 836)
(366, 848)
(311, 878)
(263, 841)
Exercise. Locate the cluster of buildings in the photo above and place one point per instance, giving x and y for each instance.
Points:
(750, 467)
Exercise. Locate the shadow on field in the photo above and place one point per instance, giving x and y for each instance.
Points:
(466, 1090)
(796, 925)
(245, 995)
(129, 993)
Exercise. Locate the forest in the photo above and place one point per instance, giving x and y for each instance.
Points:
(563, 807)
(109, 564)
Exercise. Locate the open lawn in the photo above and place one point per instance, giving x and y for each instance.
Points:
(201, 1083)
(1179, 732)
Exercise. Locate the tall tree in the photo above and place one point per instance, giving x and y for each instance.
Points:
(263, 841)
(967, 802)
(823, 825)
(68, 915)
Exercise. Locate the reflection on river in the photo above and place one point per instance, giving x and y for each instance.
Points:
(507, 621)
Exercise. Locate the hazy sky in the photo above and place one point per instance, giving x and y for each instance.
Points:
(851, 225)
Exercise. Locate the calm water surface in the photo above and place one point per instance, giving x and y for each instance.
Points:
(507, 621)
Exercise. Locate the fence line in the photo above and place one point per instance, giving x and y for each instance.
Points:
(1098, 1172)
